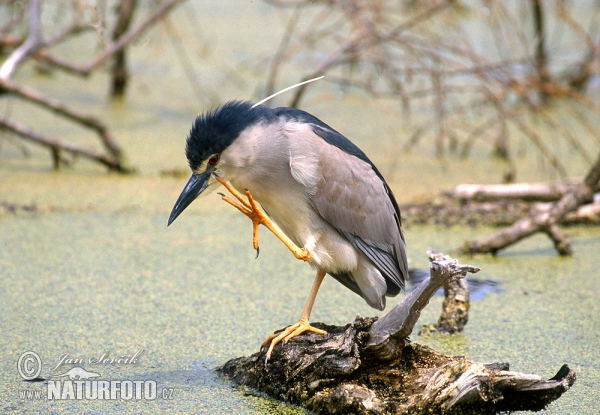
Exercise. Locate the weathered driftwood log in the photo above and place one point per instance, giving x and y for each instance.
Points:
(369, 366)
(585, 214)
(522, 191)
(388, 333)
(545, 221)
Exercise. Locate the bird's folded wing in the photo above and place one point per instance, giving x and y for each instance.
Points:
(350, 194)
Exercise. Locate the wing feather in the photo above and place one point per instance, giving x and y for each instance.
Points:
(350, 194)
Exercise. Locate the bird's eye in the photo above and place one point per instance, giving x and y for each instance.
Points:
(213, 160)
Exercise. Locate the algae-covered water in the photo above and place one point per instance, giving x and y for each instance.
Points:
(192, 297)
(88, 267)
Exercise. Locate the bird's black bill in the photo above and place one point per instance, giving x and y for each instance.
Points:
(193, 188)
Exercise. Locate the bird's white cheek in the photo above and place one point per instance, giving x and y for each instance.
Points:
(225, 169)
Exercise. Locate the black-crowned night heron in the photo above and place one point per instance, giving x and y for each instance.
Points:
(332, 207)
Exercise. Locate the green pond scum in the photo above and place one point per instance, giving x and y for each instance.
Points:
(192, 297)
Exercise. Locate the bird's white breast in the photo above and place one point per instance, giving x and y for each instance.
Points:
(285, 169)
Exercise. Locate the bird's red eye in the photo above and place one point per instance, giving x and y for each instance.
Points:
(213, 160)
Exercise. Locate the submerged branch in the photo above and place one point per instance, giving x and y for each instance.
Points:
(56, 145)
(545, 221)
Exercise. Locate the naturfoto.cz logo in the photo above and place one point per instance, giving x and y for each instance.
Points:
(103, 389)
(78, 383)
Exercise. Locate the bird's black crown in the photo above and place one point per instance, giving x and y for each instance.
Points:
(213, 131)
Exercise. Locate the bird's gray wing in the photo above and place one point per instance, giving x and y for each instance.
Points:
(351, 195)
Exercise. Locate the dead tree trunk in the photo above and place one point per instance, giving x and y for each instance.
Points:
(545, 221)
(541, 56)
(120, 73)
(370, 366)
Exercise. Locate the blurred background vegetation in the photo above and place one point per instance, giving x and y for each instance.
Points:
(512, 85)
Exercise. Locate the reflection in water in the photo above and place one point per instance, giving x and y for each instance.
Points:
(478, 288)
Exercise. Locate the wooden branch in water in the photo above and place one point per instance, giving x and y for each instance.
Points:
(455, 308)
(522, 191)
(56, 145)
(31, 95)
(585, 214)
(545, 221)
(389, 331)
(36, 46)
(344, 372)
(518, 231)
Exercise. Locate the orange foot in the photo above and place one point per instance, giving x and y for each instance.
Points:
(251, 209)
(290, 332)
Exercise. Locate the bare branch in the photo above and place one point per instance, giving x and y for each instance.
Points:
(56, 144)
(112, 49)
(30, 45)
(408, 53)
(397, 325)
(57, 107)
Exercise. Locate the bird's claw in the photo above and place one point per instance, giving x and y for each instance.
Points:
(287, 334)
(250, 208)
(247, 207)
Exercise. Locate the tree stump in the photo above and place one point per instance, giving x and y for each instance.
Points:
(369, 366)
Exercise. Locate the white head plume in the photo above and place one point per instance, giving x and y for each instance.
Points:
(286, 89)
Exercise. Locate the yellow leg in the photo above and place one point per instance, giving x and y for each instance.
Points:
(303, 324)
(250, 209)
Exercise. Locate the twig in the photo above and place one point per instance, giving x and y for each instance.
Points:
(30, 45)
(56, 144)
(367, 48)
(72, 114)
(114, 48)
